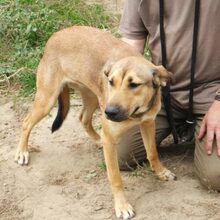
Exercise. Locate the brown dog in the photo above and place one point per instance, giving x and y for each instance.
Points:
(110, 75)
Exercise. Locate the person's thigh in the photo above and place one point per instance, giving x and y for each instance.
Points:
(207, 167)
(131, 150)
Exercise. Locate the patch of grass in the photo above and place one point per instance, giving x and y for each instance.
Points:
(147, 53)
(26, 25)
(141, 171)
(102, 166)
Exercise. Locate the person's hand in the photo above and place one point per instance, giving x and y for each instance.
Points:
(211, 127)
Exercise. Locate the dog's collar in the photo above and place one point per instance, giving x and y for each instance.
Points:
(150, 105)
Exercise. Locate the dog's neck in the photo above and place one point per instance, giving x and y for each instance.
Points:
(150, 105)
(153, 99)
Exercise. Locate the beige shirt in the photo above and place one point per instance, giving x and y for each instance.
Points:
(140, 20)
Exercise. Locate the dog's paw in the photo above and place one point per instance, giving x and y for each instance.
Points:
(124, 211)
(166, 175)
(22, 157)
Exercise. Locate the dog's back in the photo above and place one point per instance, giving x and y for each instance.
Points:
(82, 51)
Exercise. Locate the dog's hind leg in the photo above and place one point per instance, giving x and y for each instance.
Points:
(48, 89)
(90, 104)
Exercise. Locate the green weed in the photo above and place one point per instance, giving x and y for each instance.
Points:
(102, 166)
(26, 25)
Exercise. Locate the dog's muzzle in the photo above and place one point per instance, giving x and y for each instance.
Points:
(115, 113)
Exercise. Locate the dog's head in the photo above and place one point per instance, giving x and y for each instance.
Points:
(133, 83)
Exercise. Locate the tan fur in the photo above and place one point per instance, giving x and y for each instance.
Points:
(87, 59)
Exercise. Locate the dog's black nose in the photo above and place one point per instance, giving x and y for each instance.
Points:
(115, 113)
(112, 111)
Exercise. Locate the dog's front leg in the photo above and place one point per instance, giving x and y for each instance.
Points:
(148, 135)
(122, 208)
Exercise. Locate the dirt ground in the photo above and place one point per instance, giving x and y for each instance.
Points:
(66, 177)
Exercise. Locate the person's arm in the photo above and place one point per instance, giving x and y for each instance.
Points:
(138, 44)
(131, 25)
(211, 126)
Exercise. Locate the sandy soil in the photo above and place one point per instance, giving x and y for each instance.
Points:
(66, 179)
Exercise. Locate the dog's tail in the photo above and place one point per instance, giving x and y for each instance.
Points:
(63, 108)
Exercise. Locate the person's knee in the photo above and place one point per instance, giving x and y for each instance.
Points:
(130, 149)
(209, 175)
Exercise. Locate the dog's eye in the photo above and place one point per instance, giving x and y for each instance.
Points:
(111, 82)
(133, 85)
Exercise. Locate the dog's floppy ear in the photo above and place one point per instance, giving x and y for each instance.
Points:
(107, 67)
(161, 76)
